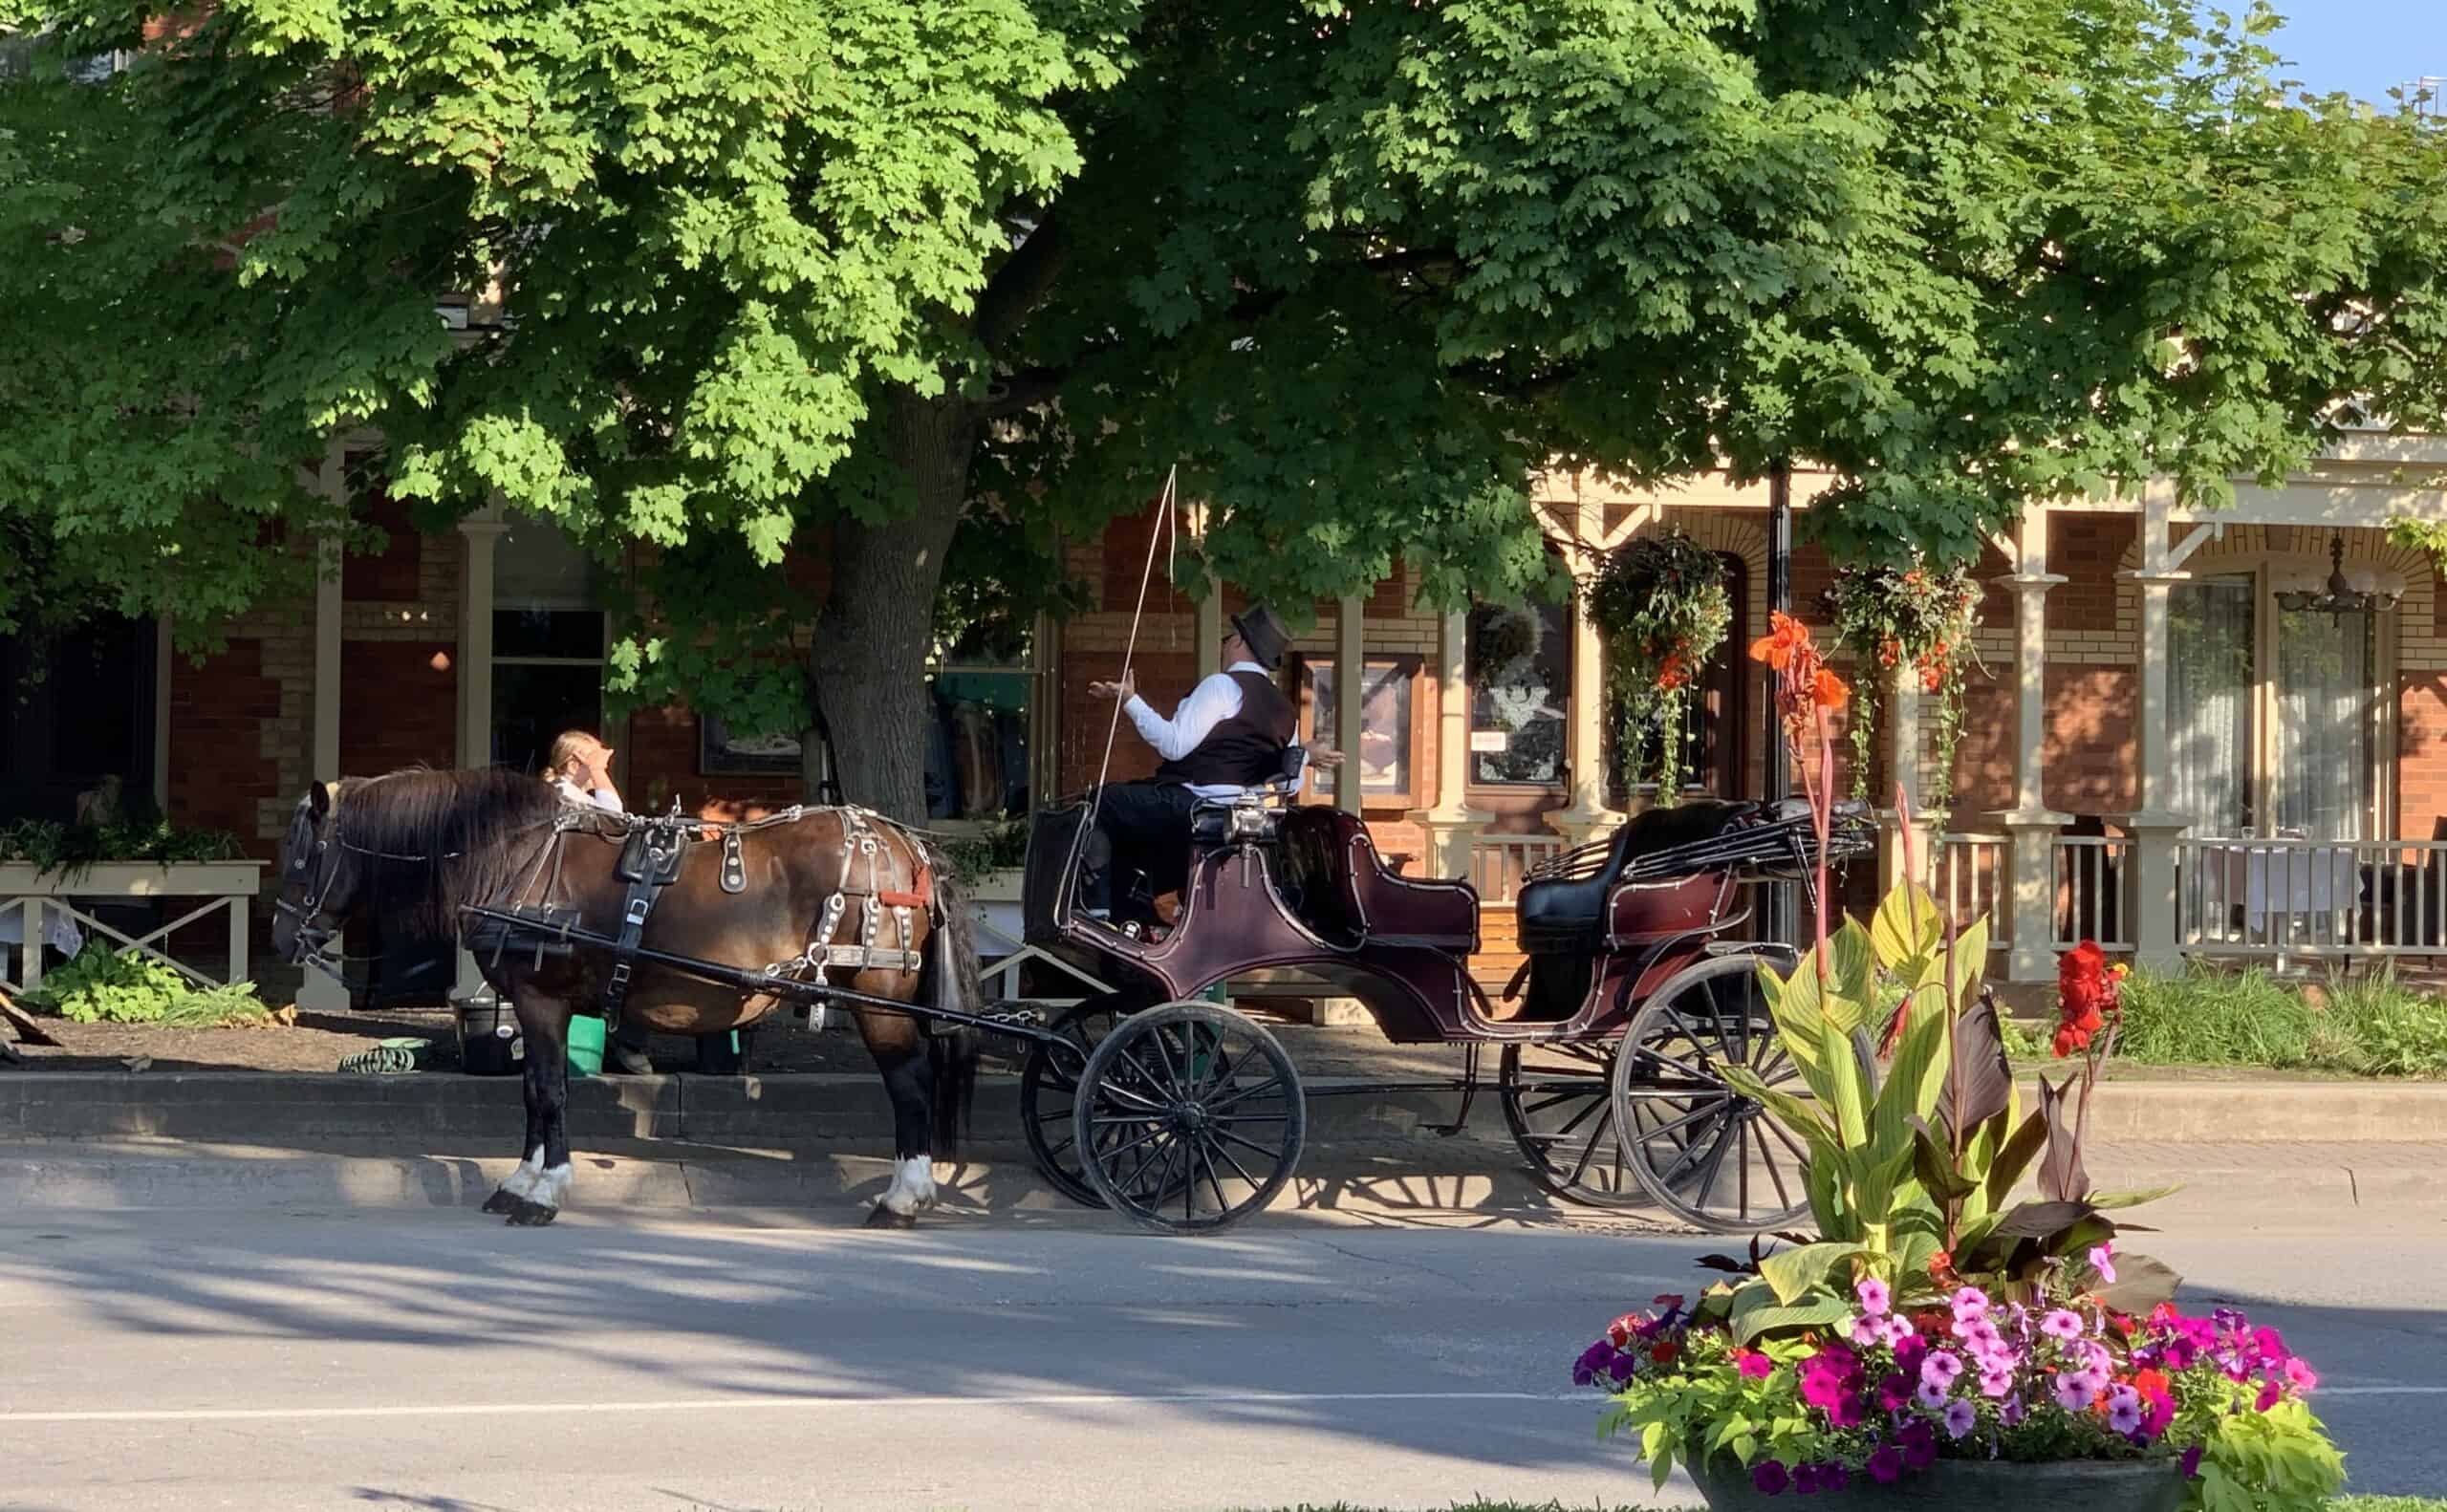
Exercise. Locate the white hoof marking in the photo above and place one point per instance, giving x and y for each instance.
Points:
(913, 1185)
(551, 1186)
(521, 1182)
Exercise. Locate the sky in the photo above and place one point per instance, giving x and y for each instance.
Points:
(2363, 47)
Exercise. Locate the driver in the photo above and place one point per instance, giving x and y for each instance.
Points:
(1227, 738)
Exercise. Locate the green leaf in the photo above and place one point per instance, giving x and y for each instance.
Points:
(1791, 1273)
(2016, 1157)
(1933, 1165)
(1750, 1325)
(1906, 927)
(2109, 1201)
(1845, 1093)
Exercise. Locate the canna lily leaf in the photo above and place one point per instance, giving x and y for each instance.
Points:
(2016, 1156)
(1795, 1273)
(1979, 1083)
(2107, 1201)
(1933, 1165)
(2061, 1176)
(2141, 1283)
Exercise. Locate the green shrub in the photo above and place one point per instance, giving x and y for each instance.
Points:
(70, 850)
(106, 986)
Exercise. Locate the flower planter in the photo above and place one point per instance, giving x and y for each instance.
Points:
(1964, 1485)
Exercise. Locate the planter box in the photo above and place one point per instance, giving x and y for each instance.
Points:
(1965, 1485)
(27, 895)
(1002, 922)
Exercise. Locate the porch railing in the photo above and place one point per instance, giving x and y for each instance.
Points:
(1975, 880)
(2250, 896)
(1498, 862)
(2089, 893)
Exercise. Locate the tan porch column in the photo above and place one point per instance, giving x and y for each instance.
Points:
(2030, 826)
(1208, 633)
(2156, 831)
(478, 535)
(318, 991)
(1349, 677)
(1588, 814)
(1902, 735)
(1451, 824)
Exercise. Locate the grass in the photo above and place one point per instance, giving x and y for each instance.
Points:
(2370, 1026)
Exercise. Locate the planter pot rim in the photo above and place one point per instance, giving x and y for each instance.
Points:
(1987, 1485)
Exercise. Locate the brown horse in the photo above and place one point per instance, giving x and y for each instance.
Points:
(416, 847)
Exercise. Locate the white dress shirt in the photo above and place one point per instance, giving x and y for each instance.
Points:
(600, 797)
(1217, 697)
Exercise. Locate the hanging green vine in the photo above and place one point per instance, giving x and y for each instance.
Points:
(1921, 618)
(1661, 605)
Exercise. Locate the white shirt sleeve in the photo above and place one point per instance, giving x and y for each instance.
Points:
(600, 797)
(606, 798)
(1215, 700)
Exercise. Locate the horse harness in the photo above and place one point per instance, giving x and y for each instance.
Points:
(651, 852)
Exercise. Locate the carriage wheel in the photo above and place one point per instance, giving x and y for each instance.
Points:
(1712, 1157)
(1191, 1117)
(1049, 1088)
(1559, 1104)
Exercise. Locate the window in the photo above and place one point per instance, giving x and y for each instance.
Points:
(1388, 737)
(549, 637)
(981, 693)
(2273, 714)
(1518, 660)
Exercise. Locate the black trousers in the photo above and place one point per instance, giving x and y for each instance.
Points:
(1142, 830)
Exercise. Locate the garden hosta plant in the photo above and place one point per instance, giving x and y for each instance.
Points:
(106, 986)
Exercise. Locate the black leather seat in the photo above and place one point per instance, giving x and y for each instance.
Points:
(1566, 914)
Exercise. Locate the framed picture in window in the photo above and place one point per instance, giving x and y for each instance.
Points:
(720, 753)
(1389, 733)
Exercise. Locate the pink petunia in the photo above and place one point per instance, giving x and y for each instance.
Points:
(1941, 1368)
(1931, 1393)
(2075, 1391)
(2301, 1377)
(1996, 1383)
(2062, 1324)
(1873, 1295)
(2102, 1261)
(1970, 1303)
(1959, 1416)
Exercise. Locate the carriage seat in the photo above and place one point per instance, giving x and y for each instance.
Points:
(1338, 884)
(1568, 913)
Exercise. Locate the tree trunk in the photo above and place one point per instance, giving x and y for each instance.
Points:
(871, 640)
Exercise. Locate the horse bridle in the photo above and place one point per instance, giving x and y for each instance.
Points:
(312, 934)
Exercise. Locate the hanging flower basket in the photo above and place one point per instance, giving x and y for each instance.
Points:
(1662, 606)
(1918, 617)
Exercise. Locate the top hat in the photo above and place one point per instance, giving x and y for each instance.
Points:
(1263, 634)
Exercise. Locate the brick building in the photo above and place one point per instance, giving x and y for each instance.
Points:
(2158, 752)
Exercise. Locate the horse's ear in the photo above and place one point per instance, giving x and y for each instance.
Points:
(325, 797)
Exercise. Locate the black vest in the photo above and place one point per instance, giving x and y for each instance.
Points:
(1245, 750)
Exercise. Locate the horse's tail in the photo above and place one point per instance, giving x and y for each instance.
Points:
(951, 981)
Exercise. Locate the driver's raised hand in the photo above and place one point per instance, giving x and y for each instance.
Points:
(1124, 690)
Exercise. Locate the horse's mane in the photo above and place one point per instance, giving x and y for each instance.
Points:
(430, 841)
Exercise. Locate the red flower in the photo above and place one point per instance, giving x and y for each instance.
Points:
(2085, 997)
(1671, 672)
(1828, 691)
(1621, 1330)
(1664, 1350)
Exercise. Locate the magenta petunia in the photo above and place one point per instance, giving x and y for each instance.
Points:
(1893, 1392)
(1918, 1442)
(2270, 1395)
(1771, 1478)
(1754, 1365)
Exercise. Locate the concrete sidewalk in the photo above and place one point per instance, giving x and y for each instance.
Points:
(1422, 1179)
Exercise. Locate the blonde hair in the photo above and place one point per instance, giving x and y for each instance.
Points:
(564, 750)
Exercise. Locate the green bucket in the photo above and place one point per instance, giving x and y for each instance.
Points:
(585, 1045)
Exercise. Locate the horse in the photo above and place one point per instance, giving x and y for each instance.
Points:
(418, 847)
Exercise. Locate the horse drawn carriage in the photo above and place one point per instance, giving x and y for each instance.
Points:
(1182, 1113)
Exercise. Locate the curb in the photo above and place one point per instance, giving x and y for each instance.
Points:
(846, 1110)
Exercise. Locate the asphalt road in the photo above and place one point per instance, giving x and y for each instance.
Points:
(435, 1359)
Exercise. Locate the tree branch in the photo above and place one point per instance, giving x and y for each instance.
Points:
(1021, 392)
(1021, 284)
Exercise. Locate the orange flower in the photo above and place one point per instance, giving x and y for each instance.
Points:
(1828, 690)
(1786, 639)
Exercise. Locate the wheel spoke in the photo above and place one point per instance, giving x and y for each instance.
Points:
(1574, 1122)
(1784, 1198)
(1164, 1084)
(1276, 1155)
(1244, 1093)
(1580, 1165)
(1238, 1169)
(1685, 1122)
(1787, 1140)
(1687, 1160)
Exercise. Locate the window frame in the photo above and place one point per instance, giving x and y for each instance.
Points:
(1408, 665)
(1498, 797)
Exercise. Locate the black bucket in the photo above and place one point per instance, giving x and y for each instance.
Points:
(488, 1039)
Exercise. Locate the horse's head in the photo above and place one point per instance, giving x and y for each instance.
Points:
(317, 886)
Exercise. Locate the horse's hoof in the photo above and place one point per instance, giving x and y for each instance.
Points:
(883, 1217)
(503, 1200)
(532, 1215)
